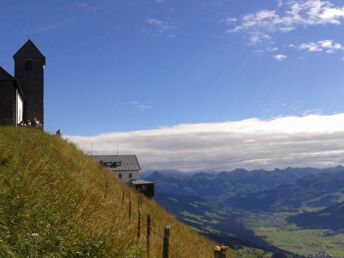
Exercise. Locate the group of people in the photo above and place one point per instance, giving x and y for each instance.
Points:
(35, 123)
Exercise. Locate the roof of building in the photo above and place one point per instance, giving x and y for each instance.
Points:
(29, 50)
(141, 182)
(123, 162)
(6, 76)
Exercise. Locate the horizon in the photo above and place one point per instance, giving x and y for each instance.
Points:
(168, 171)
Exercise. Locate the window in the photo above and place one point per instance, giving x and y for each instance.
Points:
(19, 108)
(130, 175)
(29, 65)
(119, 176)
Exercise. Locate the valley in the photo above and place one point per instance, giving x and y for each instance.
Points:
(261, 213)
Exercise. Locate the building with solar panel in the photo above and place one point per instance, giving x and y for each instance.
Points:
(126, 168)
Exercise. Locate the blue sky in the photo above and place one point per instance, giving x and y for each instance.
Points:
(130, 65)
(121, 66)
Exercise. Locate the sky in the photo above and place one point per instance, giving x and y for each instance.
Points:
(141, 73)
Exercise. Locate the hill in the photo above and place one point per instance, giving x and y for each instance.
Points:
(56, 202)
(314, 191)
(330, 218)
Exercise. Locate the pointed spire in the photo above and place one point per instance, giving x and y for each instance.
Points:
(5, 76)
(29, 50)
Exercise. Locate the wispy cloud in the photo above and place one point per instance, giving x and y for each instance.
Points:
(139, 105)
(133, 105)
(156, 26)
(328, 46)
(288, 16)
(55, 25)
(313, 140)
(280, 57)
(160, 25)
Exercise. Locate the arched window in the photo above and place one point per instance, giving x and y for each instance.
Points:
(28, 65)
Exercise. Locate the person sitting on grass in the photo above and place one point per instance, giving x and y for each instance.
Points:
(22, 124)
(58, 133)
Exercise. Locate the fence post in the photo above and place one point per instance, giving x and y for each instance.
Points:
(106, 189)
(129, 209)
(139, 225)
(139, 200)
(166, 243)
(122, 199)
(149, 222)
(220, 251)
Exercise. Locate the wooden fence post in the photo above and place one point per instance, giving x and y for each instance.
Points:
(220, 251)
(106, 189)
(129, 210)
(149, 222)
(139, 200)
(139, 225)
(122, 199)
(166, 243)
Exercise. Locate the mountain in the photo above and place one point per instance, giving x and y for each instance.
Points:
(57, 202)
(314, 191)
(330, 218)
(223, 185)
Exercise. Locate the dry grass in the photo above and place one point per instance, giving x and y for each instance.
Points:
(52, 205)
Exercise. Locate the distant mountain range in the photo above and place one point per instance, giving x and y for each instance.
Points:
(224, 185)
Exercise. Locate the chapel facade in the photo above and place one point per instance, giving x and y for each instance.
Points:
(22, 94)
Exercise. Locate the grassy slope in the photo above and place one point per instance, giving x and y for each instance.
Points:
(52, 205)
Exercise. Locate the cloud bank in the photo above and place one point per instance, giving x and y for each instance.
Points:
(313, 140)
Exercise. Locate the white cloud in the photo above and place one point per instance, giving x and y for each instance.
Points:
(312, 140)
(160, 25)
(289, 16)
(133, 105)
(280, 57)
(328, 46)
(139, 105)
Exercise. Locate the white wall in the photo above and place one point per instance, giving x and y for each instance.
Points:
(19, 108)
(125, 175)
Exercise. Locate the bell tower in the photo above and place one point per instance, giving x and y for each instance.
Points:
(29, 71)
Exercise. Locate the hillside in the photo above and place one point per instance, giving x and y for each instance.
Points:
(330, 218)
(54, 203)
(314, 191)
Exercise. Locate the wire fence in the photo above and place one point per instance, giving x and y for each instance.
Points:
(148, 231)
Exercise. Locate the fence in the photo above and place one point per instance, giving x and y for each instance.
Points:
(168, 250)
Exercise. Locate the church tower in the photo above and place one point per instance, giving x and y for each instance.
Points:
(29, 71)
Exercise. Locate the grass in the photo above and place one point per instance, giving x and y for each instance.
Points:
(52, 205)
(289, 237)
